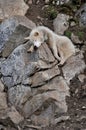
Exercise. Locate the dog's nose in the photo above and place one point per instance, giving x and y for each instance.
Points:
(35, 47)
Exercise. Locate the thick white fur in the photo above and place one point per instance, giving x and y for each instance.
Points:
(61, 45)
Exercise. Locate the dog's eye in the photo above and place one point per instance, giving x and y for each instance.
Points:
(36, 34)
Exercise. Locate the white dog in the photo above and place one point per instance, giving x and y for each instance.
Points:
(61, 46)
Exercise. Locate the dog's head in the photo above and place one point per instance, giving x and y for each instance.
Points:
(36, 37)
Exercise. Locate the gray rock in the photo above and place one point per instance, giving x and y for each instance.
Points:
(45, 54)
(58, 83)
(74, 65)
(81, 77)
(81, 13)
(42, 77)
(45, 118)
(14, 115)
(2, 127)
(57, 2)
(82, 20)
(75, 39)
(61, 2)
(61, 23)
(12, 33)
(29, 2)
(16, 71)
(11, 116)
(10, 8)
(34, 85)
(62, 118)
(18, 68)
(18, 95)
(1, 86)
(54, 92)
(3, 101)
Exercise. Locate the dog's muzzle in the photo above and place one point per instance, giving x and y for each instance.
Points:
(35, 47)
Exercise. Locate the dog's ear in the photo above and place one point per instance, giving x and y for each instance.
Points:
(27, 38)
(36, 34)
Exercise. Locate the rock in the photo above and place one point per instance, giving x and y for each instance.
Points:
(57, 83)
(10, 8)
(54, 92)
(45, 54)
(14, 115)
(57, 2)
(30, 2)
(75, 39)
(61, 23)
(81, 13)
(11, 117)
(39, 100)
(61, 2)
(34, 86)
(81, 78)
(46, 1)
(3, 101)
(82, 20)
(84, 48)
(41, 77)
(1, 60)
(45, 117)
(1, 86)
(62, 118)
(12, 33)
(16, 71)
(2, 127)
(18, 95)
(17, 74)
(72, 24)
(74, 65)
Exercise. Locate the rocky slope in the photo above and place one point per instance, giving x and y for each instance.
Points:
(36, 94)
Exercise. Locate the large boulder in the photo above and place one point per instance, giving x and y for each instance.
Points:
(33, 88)
(12, 33)
(3, 101)
(20, 65)
(81, 13)
(33, 82)
(74, 66)
(61, 23)
(47, 100)
(3, 97)
(10, 8)
(57, 2)
(11, 116)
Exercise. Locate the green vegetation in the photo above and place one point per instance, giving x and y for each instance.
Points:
(76, 2)
(80, 34)
(68, 33)
(50, 12)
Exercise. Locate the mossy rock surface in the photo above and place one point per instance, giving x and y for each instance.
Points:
(50, 12)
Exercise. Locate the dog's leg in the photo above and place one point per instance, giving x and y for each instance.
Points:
(31, 49)
(61, 62)
(55, 52)
(63, 58)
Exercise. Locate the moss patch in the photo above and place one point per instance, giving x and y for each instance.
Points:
(80, 34)
(50, 12)
(68, 33)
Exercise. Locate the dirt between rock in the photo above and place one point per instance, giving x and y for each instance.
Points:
(77, 100)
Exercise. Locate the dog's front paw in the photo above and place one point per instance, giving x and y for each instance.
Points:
(31, 49)
(61, 63)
